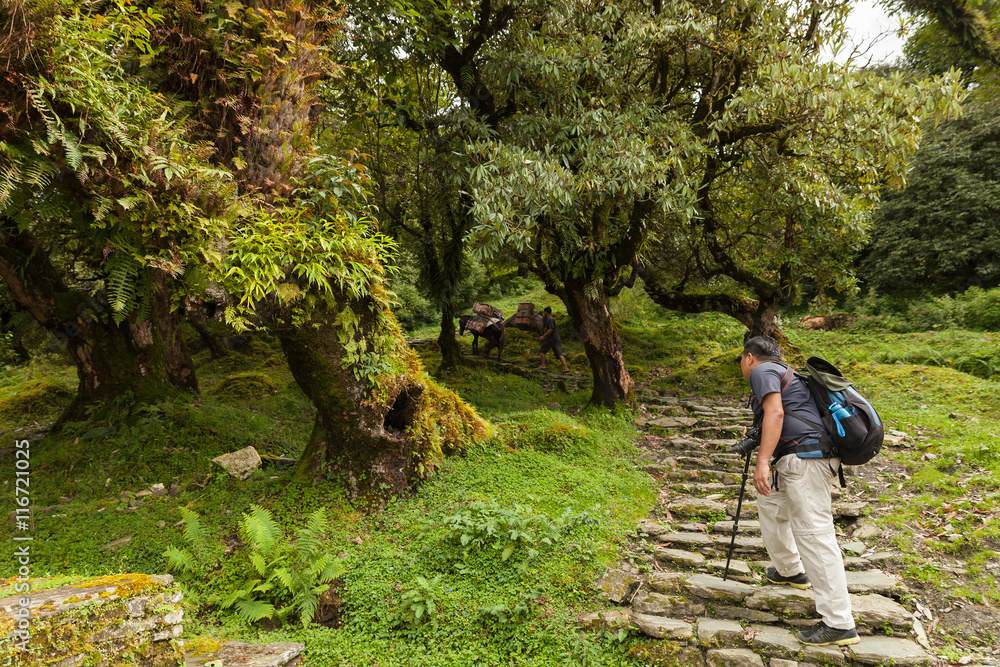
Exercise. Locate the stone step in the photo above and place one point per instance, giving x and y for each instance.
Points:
(714, 420)
(701, 476)
(708, 488)
(670, 424)
(718, 431)
(726, 643)
(688, 507)
(872, 611)
(726, 527)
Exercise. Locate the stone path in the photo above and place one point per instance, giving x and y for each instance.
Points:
(673, 591)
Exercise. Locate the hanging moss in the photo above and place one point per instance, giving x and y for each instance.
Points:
(444, 424)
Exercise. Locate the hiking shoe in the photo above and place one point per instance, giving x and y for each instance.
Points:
(800, 580)
(823, 635)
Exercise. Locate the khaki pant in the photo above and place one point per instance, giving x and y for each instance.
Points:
(796, 522)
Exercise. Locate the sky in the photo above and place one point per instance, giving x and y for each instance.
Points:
(874, 30)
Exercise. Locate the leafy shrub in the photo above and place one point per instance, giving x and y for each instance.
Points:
(419, 605)
(975, 308)
(484, 526)
(982, 308)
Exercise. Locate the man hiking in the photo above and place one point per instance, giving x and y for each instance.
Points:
(794, 502)
(550, 340)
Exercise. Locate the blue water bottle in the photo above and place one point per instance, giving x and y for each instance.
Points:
(839, 413)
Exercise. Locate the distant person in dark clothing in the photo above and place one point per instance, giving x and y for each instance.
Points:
(550, 340)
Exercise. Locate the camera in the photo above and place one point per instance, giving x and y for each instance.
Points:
(749, 443)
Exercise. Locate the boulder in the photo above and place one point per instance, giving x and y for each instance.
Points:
(239, 464)
(616, 585)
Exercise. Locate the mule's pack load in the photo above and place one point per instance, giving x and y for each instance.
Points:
(478, 324)
(852, 424)
(486, 310)
(525, 314)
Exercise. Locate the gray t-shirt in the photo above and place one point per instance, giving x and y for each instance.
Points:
(549, 322)
(770, 377)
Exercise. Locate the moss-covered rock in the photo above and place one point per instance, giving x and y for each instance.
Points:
(246, 385)
(667, 654)
(36, 398)
(114, 620)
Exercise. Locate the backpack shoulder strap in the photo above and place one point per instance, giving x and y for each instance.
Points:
(785, 381)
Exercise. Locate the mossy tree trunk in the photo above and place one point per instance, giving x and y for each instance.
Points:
(602, 343)
(113, 360)
(376, 432)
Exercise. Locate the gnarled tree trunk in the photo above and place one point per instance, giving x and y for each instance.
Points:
(603, 344)
(373, 431)
(113, 360)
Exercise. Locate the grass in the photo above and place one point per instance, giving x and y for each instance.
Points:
(542, 466)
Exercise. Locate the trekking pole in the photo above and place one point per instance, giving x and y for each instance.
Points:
(736, 522)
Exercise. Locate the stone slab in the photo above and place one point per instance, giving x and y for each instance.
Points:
(744, 614)
(849, 509)
(774, 641)
(714, 632)
(855, 547)
(651, 527)
(240, 464)
(784, 600)
(688, 539)
(876, 611)
(667, 582)
(710, 587)
(875, 581)
(824, 655)
(746, 526)
(276, 654)
(659, 604)
(662, 628)
(608, 619)
(738, 567)
(733, 657)
(889, 651)
(673, 423)
(695, 507)
(54, 601)
(747, 511)
(679, 557)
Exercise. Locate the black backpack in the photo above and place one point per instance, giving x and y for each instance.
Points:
(854, 431)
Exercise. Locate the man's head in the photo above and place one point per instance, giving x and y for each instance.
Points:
(756, 351)
(548, 310)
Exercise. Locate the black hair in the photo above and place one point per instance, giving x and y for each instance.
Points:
(763, 348)
(548, 309)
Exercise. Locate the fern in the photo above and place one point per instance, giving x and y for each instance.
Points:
(196, 558)
(259, 530)
(255, 610)
(121, 283)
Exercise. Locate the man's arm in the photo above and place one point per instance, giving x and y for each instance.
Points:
(770, 432)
